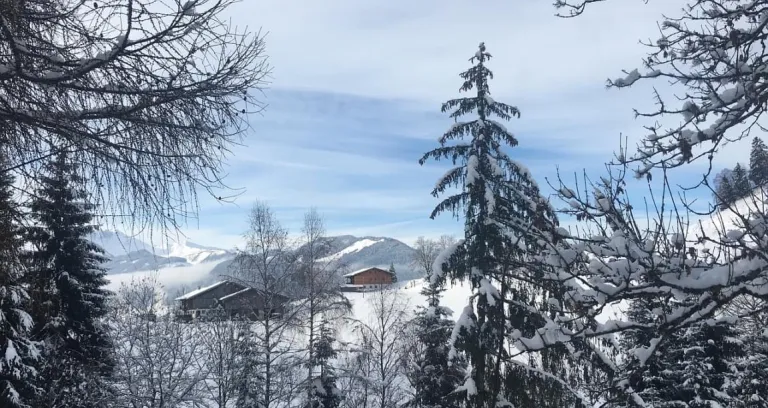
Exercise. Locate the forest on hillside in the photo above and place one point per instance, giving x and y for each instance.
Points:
(123, 113)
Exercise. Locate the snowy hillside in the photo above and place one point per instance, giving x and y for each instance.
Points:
(142, 260)
(129, 255)
(195, 253)
(118, 244)
(174, 266)
(362, 252)
(720, 223)
(455, 297)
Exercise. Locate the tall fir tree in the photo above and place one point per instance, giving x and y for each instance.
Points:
(433, 372)
(502, 207)
(20, 355)
(67, 282)
(758, 163)
(324, 392)
(740, 183)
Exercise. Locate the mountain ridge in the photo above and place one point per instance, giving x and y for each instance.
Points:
(128, 254)
(348, 252)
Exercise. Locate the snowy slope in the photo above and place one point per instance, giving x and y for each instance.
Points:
(720, 223)
(195, 253)
(354, 247)
(118, 244)
(128, 255)
(363, 252)
(141, 261)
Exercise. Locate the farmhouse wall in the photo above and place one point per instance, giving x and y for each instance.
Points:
(372, 277)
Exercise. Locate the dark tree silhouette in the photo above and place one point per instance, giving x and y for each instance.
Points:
(147, 97)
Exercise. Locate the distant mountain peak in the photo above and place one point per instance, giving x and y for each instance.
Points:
(195, 253)
(116, 243)
(372, 251)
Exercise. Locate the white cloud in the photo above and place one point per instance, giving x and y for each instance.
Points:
(415, 50)
(355, 160)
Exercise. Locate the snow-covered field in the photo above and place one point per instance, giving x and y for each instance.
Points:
(454, 297)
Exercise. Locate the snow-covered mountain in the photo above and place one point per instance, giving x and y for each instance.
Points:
(210, 264)
(129, 255)
(361, 252)
(195, 253)
(117, 244)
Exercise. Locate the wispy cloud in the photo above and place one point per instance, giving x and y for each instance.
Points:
(356, 101)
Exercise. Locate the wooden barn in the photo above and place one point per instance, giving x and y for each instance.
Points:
(368, 279)
(235, 298)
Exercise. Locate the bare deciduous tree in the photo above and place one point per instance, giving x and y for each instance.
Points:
(268, 264)
(424, 256)
(157, 359)
(322, 300)
(381, 350)
(222, 358)
(147, 97)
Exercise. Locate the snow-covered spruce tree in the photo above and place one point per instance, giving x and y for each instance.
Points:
(433, 373)
(748, 387)
(758, 163)
(66, 283)
(20, 355)
(724, 193)
(147, 96)
(324, 393)
(740, 182)
(694, 367)
(501, 207)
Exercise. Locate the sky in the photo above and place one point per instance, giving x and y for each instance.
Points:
(355, 94)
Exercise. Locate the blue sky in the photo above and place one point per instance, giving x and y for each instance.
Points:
(355, 101)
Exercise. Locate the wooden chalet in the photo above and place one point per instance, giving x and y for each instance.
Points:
(368, 279)
(236, 299)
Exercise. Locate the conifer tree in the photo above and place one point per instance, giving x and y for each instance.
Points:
(66, 281)
(725, 194)
(740, 183)
(501, 207)
(393, 272)
(758, 163)
(693, 368)
(433, 372)
(19, 355)
(748, 388)
(324, 393)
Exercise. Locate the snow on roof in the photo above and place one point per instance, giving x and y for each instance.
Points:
(231, 295)
(201, 290)
(359, 271)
